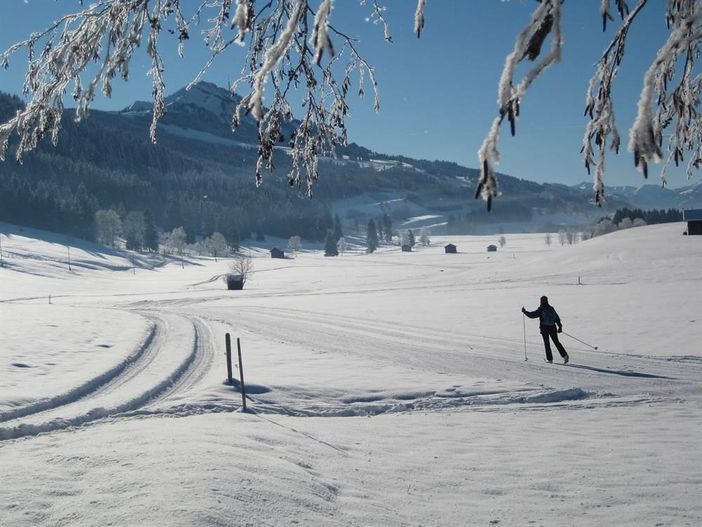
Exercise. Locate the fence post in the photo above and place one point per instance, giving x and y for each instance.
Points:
(241, 375)
(228, 343)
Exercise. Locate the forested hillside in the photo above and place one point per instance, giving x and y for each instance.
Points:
(200, 176)
(106, 162)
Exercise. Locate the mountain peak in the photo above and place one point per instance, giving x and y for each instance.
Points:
(201, 96)
(206, 96)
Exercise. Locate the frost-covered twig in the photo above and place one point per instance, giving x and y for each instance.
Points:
(290, 53)
(378, 17)
(419, 17)
(288, 41)
(646, 134)
(546, 20)
(599, 105)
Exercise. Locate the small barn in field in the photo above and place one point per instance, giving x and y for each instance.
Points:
(450, 249)
(492, 248)
(693, 217)
(277, 253)
(406, 248)
(235, 282)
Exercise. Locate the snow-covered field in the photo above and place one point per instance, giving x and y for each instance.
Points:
(386, 389)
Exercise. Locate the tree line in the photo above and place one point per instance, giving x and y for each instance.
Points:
(100, 165)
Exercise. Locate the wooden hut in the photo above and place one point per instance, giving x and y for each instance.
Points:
(277, 253)
(235, 282)
(693, 217)
(450, 249)
(492, 248)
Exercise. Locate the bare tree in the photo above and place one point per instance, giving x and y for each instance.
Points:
(424, 237)
(342, 245)
(294, 244)
(216, 245)
(604, 226)
(175, 240)
(502, 241)
(626, 223)
(108, 226)
(241, 266)
(548, 239)
(290, 45)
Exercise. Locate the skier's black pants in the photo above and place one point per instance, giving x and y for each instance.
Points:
(550, 331)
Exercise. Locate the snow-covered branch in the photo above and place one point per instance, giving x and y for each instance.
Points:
(599, 105)
(293, 44)
(682, 103)
(545, 21)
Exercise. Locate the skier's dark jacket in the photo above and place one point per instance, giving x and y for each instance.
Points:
(547, 316)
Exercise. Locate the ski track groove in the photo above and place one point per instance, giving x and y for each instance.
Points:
(114, 376)
(485, 345)
(380, 342)
(188, 373)
(201, 360)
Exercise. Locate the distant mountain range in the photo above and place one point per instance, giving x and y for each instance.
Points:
(200, 176)
(650, 196)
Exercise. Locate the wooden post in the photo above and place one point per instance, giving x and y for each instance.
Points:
(228, 342)
(241, 375)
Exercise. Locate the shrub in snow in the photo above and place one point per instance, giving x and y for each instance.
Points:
(424, 237)
(294, 244)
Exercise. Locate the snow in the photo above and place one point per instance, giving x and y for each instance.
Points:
(383, 389)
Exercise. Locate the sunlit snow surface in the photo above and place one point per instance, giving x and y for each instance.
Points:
(384, 389)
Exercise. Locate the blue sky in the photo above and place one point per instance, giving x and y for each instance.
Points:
(438, 93)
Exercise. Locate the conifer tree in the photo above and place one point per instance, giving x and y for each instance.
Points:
(133, 227)
(150, 234)
(330, 245)
(338, 233)
(372, 237)
(387, 227)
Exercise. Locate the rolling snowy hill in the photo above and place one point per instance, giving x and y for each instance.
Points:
(384, 389)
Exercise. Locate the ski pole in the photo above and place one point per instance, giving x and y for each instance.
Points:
(524, 324)
(581, 341)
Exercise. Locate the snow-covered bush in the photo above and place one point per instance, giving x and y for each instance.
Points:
(424, 237)
(108, 226)
(294, 244)
(216, 245)
(626, 223)
(174, 241)
(604, 226)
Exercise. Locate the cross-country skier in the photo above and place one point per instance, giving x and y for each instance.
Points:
(548, 320)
